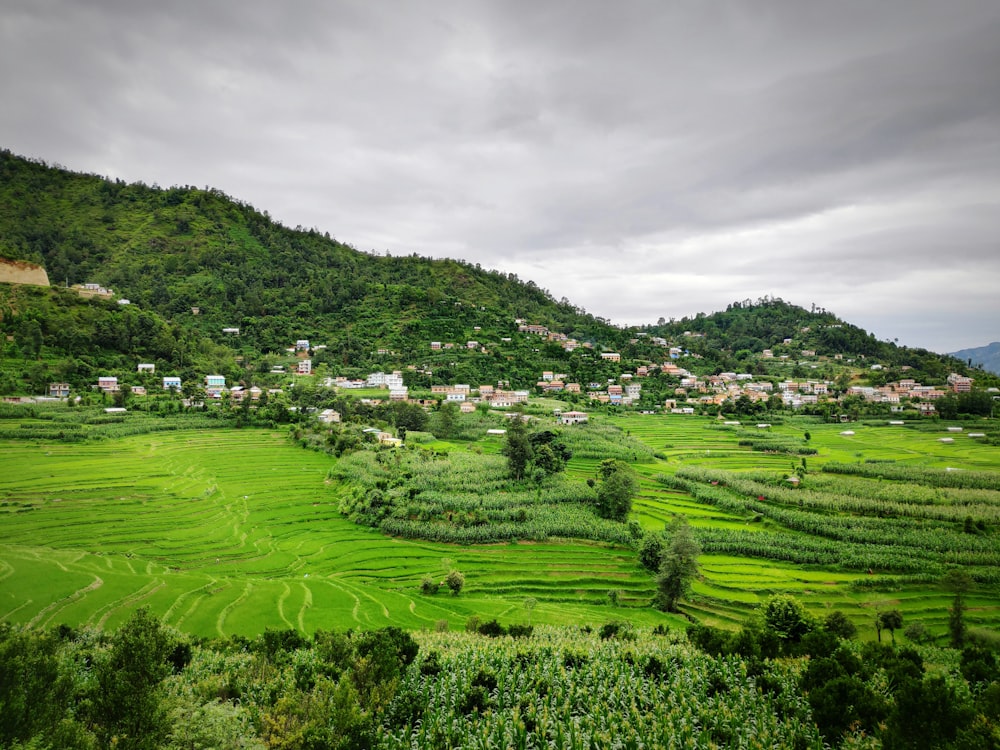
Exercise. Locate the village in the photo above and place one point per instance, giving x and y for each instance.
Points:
(690, 393)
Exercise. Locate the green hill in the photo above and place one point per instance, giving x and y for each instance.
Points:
(170, 251)
(736, 338)
(195, 263)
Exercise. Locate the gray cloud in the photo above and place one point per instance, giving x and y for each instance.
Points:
(640, 158)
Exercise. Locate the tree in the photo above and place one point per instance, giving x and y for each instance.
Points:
(651, 551)
(517, 448)
(959, 582)
(549, 454)
(840, 625)
(618, 487)
(447, 419)
(785, 616)
(409, 416)
(891, 621)
(678, 567)
(33, 694)
(127, 703)
(455, 581)
(529, 605)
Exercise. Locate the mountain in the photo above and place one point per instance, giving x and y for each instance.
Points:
(987, 357)
(202, 262)
(197, 266)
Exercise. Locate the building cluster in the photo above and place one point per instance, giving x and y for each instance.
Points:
(567, 343)
(393, 382)
(908, 389)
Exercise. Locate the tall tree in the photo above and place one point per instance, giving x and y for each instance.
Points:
(678, 567)
(517, 447)
(128, 707)
(959, 582)
(618, 487)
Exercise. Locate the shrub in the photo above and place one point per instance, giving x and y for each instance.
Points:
(918, 633)
(455, 581)
(492, 629)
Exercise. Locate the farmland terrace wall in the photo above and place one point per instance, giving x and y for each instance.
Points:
(20, 272)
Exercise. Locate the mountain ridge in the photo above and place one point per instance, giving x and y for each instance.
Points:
(987, 357)
(198, 266)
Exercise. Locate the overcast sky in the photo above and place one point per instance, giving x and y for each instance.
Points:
(642, 159)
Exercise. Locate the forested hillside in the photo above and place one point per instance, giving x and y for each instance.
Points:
(195, 263)
(736, 337)
(172, 250)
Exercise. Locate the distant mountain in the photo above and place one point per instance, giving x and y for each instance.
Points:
(987, 357)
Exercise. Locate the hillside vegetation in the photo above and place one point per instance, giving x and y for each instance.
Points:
(195, 261)
(171, 250)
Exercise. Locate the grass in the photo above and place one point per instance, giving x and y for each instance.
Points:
(730, 587)
(224, 532)
(232, 531)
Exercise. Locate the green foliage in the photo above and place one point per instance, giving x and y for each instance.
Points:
(517, 448)
(466, 498)
(33, 689)
(840, 625)
(618, 486)
(128, 709)
(678, 566)
(785, 616)
(455, 581)
(848, 528)
(651, 551)
(891, 620)
(984, 480)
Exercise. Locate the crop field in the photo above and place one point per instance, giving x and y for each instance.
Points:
(232, 531)
(838, 541)
(225, 532)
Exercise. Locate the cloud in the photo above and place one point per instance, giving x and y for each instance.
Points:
(640, 158)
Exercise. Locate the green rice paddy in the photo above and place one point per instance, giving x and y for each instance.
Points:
(230, 532)
(224, 532)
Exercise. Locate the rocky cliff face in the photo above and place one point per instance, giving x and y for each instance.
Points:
(19, 272)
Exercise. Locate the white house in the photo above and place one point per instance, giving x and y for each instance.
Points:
(215, 385)
(573, 417)
(146, 367)
(171, 381)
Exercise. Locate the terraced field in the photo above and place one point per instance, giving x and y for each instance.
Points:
(731, 585)
(224, 532)
(231, 531)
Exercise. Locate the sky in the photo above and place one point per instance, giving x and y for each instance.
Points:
(641, 159)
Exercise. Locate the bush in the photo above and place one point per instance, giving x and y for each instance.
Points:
(786, 617)
(839, 624)
(918, 633)
(492, 629)
(620, 630)
(455, 581)
(520, 631)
